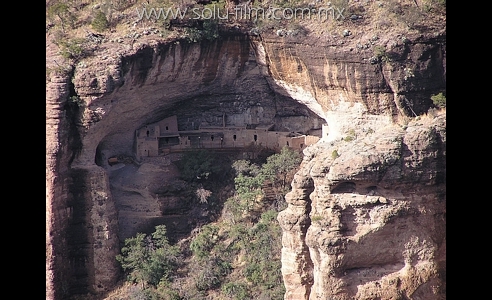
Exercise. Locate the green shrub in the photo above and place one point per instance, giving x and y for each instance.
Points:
(212, 273)
(380, 53)
(279, 165)
(164, 291)
(248, 188)
(58, 70)
(439, 100)
(149, 259)
(262, 247)
(209, 31)
(250, 178)
(350, 135)
(73, 48)
(60, 11)
(237, 291)
(100, 22)
(204, 242)
(334, 154)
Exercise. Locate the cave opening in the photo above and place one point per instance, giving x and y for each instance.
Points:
(344, 187)
(189, 80)
(148, 190)
(98, 159)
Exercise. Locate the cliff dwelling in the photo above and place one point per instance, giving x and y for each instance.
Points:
(164, 137)
(139, 147)
(363, 216)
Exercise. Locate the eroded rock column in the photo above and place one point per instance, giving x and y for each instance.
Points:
(297, 267)
(92, 232)
(57, 90)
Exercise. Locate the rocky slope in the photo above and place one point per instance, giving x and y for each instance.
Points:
(365, 224)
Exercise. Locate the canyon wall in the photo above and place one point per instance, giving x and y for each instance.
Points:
(366, 215)
(366, 218)
(92, 114)
(81, 219)
(359, 222)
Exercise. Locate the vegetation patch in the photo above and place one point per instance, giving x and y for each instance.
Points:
(350, 136)
(236, 257)
(380, 53)
(334, 154)
(149, 259)
(439, 100)
(100, 22)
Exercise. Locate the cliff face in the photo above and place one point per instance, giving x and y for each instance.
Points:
(370, 220)
(199, 82)
(81, 218)
(56, 214)
(366, 214)
(92, 115)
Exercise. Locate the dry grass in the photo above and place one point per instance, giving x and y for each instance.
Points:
(425, 118)
(403, 120)
(433, 113)
(122, 291)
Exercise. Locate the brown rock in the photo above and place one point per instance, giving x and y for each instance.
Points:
(372, 234)
(340, 242)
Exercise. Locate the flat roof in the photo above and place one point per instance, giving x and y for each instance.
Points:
(169, 135)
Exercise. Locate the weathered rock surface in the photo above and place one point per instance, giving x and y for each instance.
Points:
(385, 192)
(369, 222)
(198, 82)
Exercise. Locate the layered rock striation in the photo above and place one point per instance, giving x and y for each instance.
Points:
(369, 219)
(366, 218)
(366, 214)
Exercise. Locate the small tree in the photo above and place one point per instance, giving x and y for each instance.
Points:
(149, 259)
(281, 164)
(248, 188)
(133, 257)
(380, 53)
(245, 167)
(100, 22)
(61, 11)
(72, 48)
(236, 290)
(204, 242)
(439, 100)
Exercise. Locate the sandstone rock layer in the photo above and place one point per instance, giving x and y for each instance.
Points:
(365, 223)
(369, 222)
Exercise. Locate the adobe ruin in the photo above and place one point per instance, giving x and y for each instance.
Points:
(163, 137)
